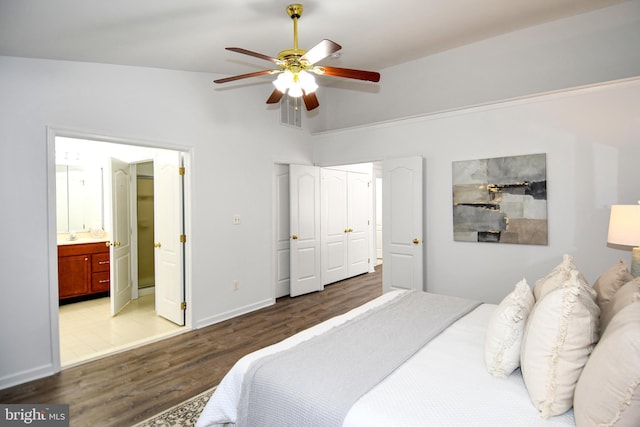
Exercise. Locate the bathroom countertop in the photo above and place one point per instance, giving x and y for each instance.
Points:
(81, 238)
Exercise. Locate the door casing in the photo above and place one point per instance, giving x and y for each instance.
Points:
(52, 133)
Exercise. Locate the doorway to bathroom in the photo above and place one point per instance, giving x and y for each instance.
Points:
(145, 300)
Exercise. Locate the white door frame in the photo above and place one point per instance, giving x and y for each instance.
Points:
(52, 133)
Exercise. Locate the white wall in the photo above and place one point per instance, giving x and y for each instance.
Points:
(592, 141)
(585, 49)
(233, 139)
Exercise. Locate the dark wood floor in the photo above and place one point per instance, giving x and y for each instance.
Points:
(129, 387)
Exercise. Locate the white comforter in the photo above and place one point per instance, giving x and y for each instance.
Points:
(444, 384)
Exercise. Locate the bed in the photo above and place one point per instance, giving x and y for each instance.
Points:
(444, 381)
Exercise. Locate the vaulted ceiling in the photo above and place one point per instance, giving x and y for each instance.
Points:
(192, 34)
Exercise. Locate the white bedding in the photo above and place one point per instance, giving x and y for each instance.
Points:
(444, 384)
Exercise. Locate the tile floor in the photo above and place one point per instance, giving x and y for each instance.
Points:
(88, 332)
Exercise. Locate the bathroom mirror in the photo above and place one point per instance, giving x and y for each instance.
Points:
(79, 198)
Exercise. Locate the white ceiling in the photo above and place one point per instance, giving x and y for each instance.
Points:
(192, 34)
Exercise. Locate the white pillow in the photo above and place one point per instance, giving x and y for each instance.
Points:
(560, 274)
(505, 330)
(559, 336)
(608, 391)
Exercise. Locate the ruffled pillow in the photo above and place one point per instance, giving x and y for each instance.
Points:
(505, 331)
(559, 336)
(610, 281)
(560, 274)
(625, 296)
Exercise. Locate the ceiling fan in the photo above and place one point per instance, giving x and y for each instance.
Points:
(295, 66)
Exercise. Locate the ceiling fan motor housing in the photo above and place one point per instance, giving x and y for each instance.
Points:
(294, 10)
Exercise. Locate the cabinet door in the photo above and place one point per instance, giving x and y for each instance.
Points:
(73, 275)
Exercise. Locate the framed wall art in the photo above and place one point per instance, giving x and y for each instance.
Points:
(501, 200)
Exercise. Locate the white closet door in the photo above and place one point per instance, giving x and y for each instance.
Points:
(358, 208)
(281, 227)
(304, 193)
(334, 225)
(402, 231)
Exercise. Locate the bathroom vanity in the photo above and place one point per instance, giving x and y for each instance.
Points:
(83, 269)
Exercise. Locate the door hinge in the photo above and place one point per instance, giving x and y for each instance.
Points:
(183, 238)
(181, 170)
(183, 306)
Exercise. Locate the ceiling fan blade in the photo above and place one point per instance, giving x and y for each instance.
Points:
(310, 100)
(320, 51)
(244, 76)
(371, 76)
(251, 53)
(275, 97)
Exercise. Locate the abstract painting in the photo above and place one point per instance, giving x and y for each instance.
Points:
(501, 200)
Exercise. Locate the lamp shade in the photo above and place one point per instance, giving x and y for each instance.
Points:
(624, 225)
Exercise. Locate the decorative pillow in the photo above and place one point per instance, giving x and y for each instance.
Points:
(559, 336)
(505, 330)
(626, 295)
(608, 391)
(560, 274)
(610, 281)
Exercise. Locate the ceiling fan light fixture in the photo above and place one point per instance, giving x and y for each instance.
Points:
(295, 67)
(284, 81)
(307, 82)
(295, 83)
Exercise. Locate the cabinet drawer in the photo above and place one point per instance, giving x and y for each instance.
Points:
(100, 262)
(100, 282)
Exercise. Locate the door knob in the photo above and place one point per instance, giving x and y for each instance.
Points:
(346, 230)
(416, 241)
(294, 237)
(157, 245)
(112, 243)
(350, 230)
(116, 244)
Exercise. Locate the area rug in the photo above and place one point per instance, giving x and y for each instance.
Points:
(184, 414)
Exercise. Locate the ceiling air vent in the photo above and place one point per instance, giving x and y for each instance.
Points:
(291, 111)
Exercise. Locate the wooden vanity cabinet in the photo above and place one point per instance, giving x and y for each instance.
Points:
(83, 269)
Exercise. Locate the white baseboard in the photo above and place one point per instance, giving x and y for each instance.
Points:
(26, 376)
(146, 291)
(208, 321)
